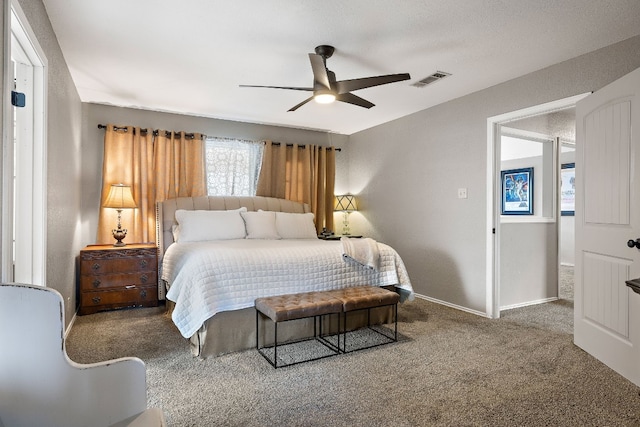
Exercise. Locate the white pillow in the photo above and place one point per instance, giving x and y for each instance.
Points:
(295, 225)
(196, 226)
(260, 225)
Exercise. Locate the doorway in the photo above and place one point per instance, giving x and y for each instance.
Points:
(24, 162)
(533, 117)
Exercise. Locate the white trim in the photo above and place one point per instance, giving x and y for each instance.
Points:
(31, 38)
(508, 219)
(493, 197)
(448, 304)
(536, 110)
(526, 304)
(492, 228)
(7, 152)
(68, 328)
(18, 30)
(525, 134)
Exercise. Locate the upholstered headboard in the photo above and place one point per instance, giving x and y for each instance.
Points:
(165, 211)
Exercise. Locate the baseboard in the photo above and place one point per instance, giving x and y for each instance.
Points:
(525, 304)
(448, 304)
(68, 329)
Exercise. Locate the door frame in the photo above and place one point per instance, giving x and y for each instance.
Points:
(18, 30)
(494, 123)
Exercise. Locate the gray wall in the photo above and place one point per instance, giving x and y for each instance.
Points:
(64, 111)
(93, 145)
(529, 270)
(407, 173)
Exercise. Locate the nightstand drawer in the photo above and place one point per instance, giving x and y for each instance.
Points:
(114, 265)
(122, 280)
(130, 297)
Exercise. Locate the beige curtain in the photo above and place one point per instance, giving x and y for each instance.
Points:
(302, 173)
(157, 167)
(179, 165)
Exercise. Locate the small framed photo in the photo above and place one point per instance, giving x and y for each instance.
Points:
(517, 191)
(568, 189)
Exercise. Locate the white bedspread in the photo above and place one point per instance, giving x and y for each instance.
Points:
(206, 278)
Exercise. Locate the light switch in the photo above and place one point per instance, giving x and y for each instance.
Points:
(462, 193)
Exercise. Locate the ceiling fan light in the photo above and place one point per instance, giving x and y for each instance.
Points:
(324, 97)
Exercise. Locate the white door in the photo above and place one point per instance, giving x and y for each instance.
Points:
(24, 245)
(607, 312)
(23, 194)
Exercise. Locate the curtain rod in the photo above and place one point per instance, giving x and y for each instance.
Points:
(155, 132)
(303, 146)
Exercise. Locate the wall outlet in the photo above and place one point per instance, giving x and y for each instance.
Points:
(462, 193)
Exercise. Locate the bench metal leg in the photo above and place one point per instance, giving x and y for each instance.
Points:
(389, 338)
(273, 362)
(316, 337)
(321, 338)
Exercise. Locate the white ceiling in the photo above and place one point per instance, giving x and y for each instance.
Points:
(190, 56)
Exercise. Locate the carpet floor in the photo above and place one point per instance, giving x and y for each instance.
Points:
(449, 368)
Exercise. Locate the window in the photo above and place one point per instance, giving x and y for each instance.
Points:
(232, 166)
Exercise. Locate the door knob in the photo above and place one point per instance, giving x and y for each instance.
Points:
(632, 243)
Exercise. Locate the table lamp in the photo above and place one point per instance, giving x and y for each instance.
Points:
(119, 198)
(345, 204)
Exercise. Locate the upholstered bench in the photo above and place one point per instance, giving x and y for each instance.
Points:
(282, 308)
(366, 298)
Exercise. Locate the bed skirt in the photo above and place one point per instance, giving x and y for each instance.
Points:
(233, 331)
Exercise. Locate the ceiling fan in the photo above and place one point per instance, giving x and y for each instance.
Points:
(325, 87)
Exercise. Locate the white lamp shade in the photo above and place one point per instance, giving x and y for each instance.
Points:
(120, 197)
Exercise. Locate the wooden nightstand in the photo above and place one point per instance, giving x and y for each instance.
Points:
(117, 277)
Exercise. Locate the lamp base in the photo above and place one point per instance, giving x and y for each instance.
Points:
(119, 234)
(346, 231)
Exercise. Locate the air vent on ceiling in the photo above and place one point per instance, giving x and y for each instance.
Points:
(438, 75)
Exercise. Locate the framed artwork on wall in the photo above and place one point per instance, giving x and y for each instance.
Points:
(568, 189)
(517, 191)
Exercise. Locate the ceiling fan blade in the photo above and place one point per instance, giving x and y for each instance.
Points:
(308, 89)
(344, 86)
(355, 100)
(320, 75)
(301, 104)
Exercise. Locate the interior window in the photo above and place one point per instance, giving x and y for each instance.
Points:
(532, 157)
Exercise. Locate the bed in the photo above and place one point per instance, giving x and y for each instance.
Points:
(218, 254)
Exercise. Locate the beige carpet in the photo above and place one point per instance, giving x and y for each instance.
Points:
(450, 368)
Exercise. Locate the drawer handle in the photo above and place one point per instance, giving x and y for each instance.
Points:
(143, 293)
(144, 278)
(144, 263)
(96, 283)
(96, 266)
(130, 287)
(96, 300)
